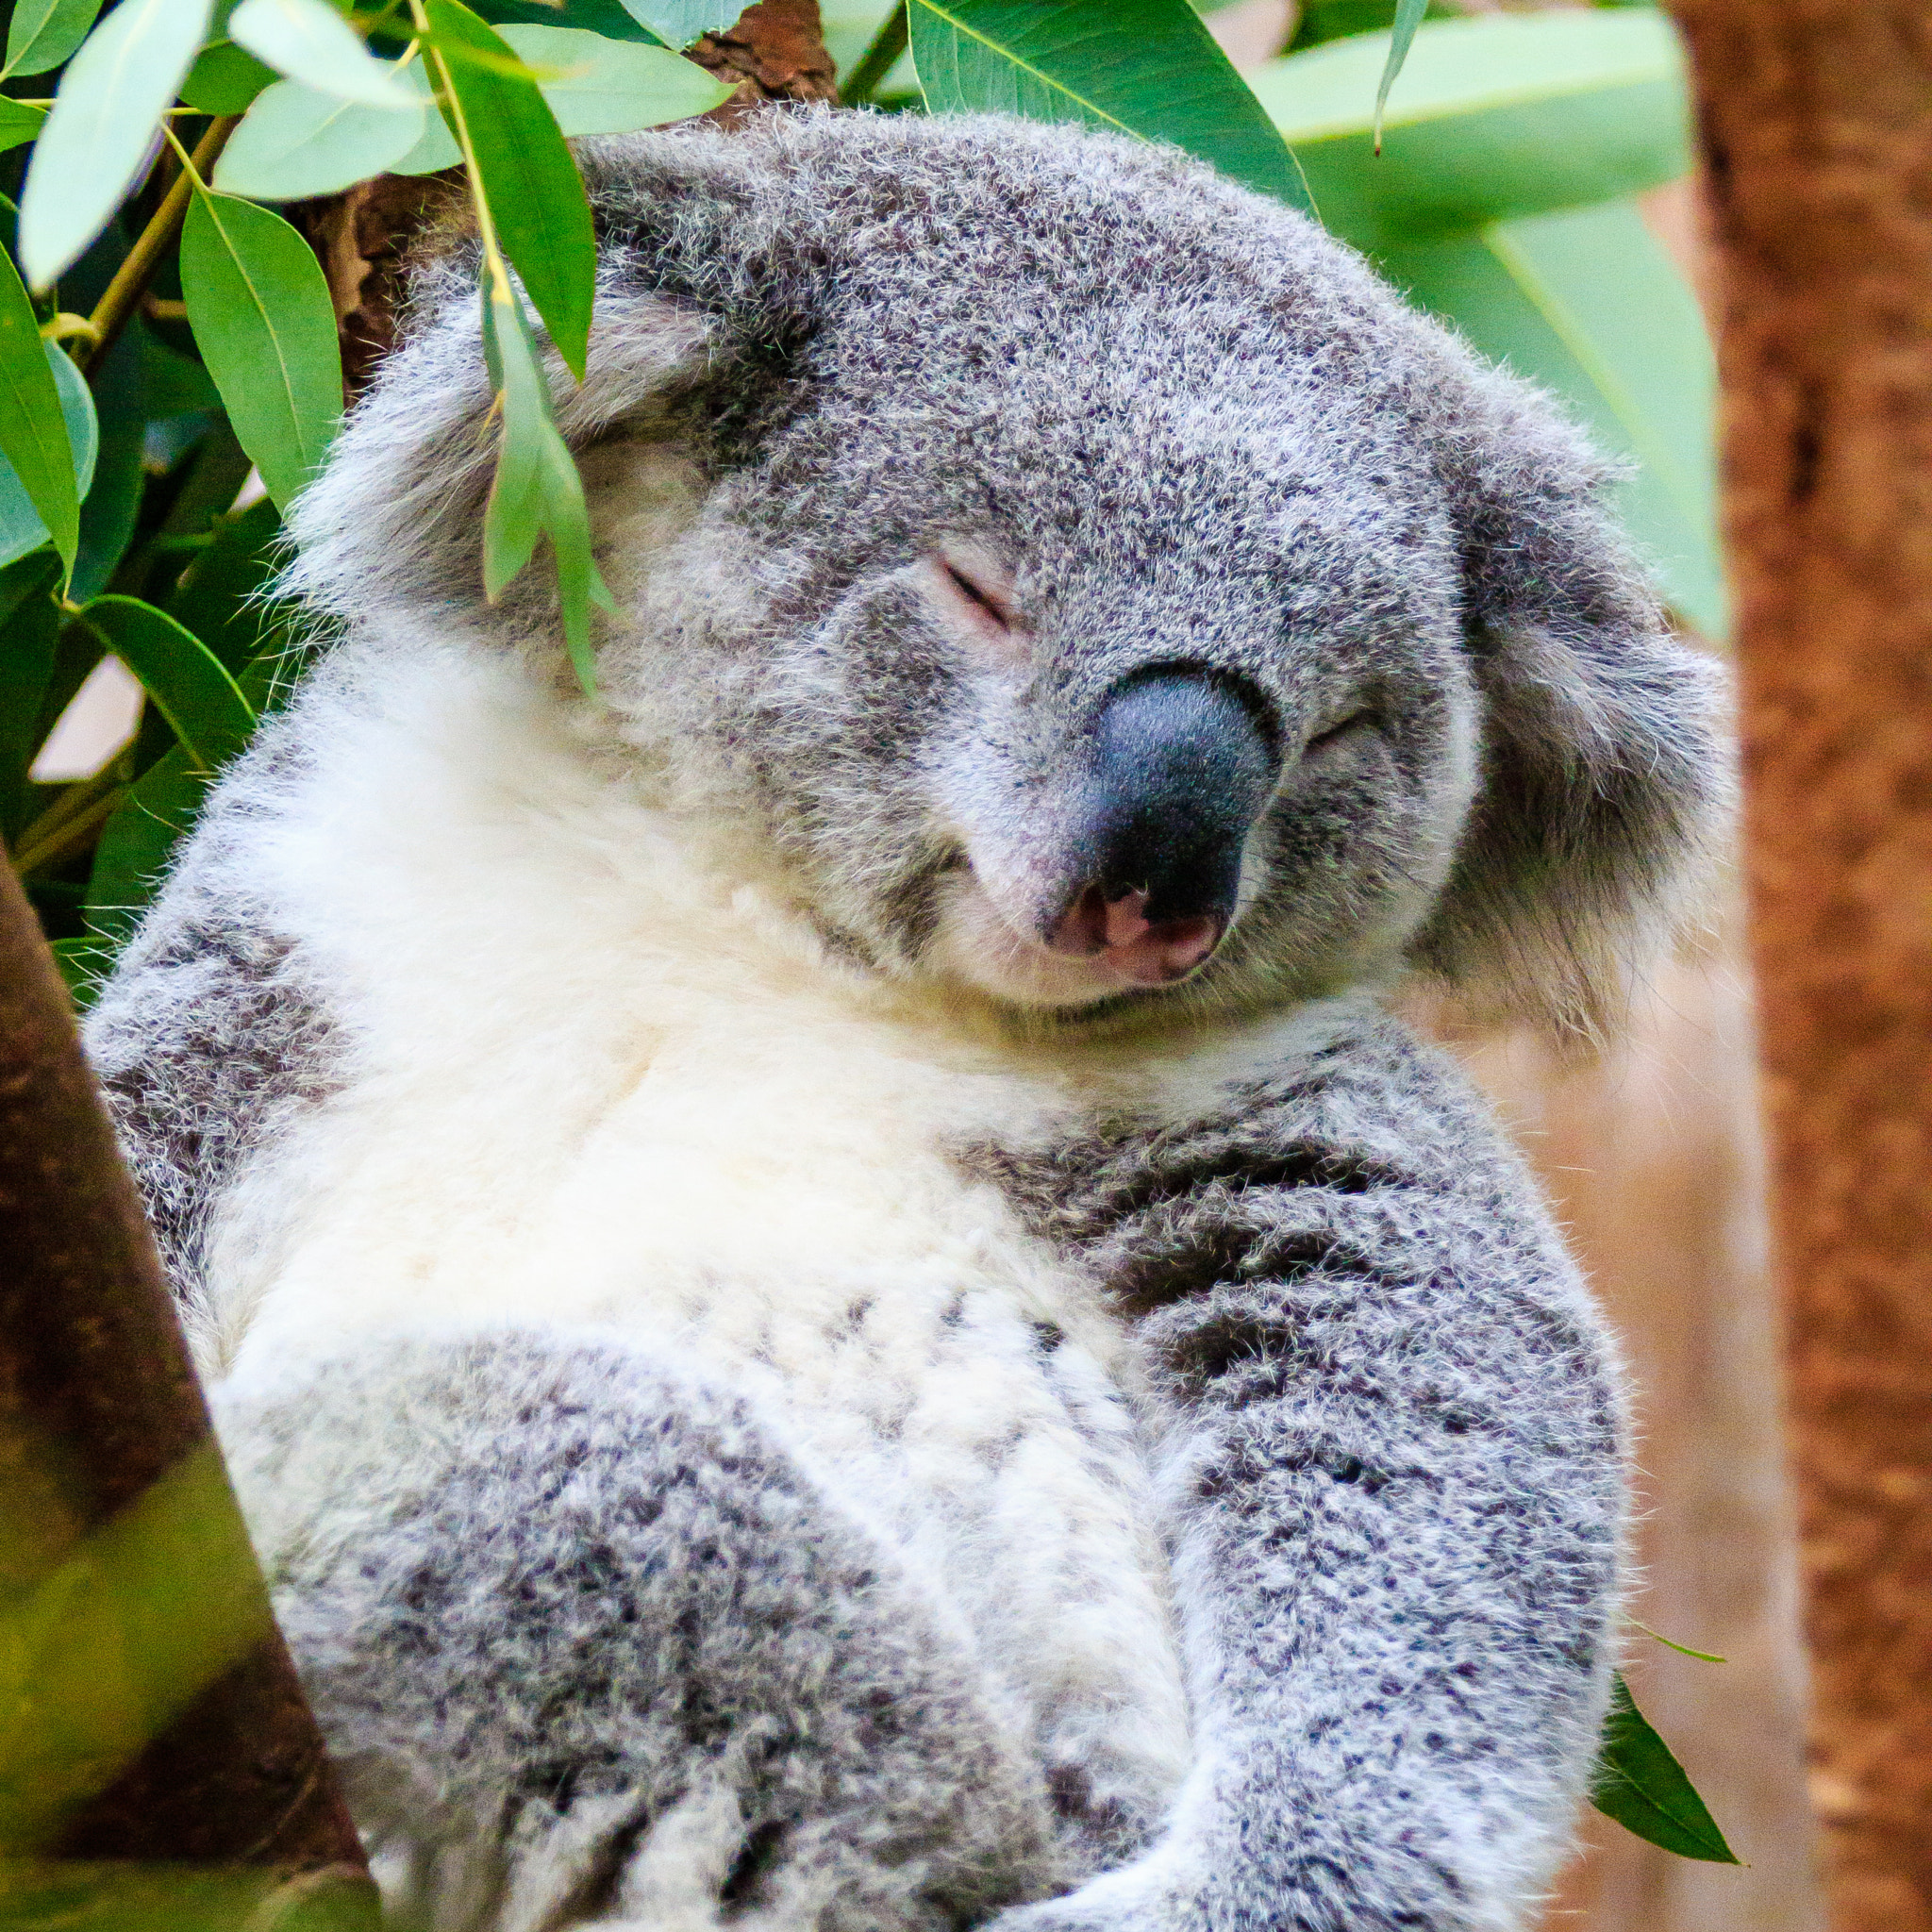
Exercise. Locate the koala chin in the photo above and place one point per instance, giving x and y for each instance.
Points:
(836, 1304)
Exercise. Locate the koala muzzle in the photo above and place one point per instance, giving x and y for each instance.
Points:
(1179, 767)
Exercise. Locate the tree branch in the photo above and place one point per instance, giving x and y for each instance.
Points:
(103, 1444)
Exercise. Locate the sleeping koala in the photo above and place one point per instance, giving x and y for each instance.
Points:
(835, 1303)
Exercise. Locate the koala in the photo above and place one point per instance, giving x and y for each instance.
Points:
(838, 1302)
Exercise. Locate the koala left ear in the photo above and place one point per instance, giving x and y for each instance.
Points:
(1606, 776)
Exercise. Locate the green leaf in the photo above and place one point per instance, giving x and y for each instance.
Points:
(526, 175)
(1409, 16)
(296, 142)
(29, 629)
(43, 33)
(19, 122)
(189, 685)
(110, 506)
(68, 455)
(1145, 67)
(310, 42)
(537, 491)
(172, 385)
(225, 80)
(1643, 1788)
(220, 595)
(96, 143)
(613, 86)
(1587, 304)
(266, 328)
(138, 840)
(678, 22)
(1507, 115)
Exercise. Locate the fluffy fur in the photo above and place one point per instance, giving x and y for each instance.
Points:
(770, 1397)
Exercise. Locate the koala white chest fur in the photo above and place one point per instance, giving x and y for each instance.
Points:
(833, 1302)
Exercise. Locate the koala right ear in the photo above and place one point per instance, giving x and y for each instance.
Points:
(1606, 779)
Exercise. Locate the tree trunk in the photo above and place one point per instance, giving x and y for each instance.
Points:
(1816, 124)
(151, 1710)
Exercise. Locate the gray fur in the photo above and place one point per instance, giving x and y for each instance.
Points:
(211, 1033)
(572, 1596)
(622, 1609)
(1399, 1566)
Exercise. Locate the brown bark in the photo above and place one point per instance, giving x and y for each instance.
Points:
(1816, 122)
(777, 53)
(98, 1400)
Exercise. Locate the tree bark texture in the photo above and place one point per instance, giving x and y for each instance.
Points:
(100, 1414)
(1815, 126)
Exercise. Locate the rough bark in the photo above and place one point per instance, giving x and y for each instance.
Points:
(1815, 126)
(98, 1400)
(776, 52)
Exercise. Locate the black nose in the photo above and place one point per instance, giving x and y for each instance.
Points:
(1181, 765)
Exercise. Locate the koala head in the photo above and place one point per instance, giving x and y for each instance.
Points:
(1078, 577)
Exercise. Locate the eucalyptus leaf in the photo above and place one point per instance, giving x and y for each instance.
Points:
(220, 596)
(41, 447)
(189, 685)
(105, 119)
(1409, 16)
(309, 42)
(537, 491)
(171, 385)
(1507, 115)
(225, 78)
(1587, 304)
(613, 86)
(138, 840)
(678, 22)
(1641, 1785)
(1145, 67)
(29, 629)
(296, 142)
(19, 122)
(266, 328)
(43, 33)
(525, 174)
(22, 531)
(111, 503)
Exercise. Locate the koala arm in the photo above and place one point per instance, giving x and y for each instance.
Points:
(1393, 1463)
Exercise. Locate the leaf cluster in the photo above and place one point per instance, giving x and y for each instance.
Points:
(169, 377)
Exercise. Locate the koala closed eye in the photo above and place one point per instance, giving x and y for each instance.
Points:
(975, 592)
(1345, 732)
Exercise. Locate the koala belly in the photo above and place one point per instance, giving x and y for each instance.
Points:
(758, 1246)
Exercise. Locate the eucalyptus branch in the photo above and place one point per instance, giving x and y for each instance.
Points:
(122, 294)
(876, 61)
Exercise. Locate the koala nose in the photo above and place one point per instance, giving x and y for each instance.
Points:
(1180, 768)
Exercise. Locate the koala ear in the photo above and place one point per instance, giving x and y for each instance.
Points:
(394, 521)
(1605, 779)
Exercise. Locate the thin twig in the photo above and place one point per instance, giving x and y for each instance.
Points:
(122, 294)
(877, 61)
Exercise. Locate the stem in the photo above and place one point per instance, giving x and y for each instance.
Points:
(122, 294)
(66, 824)
(876, 61)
